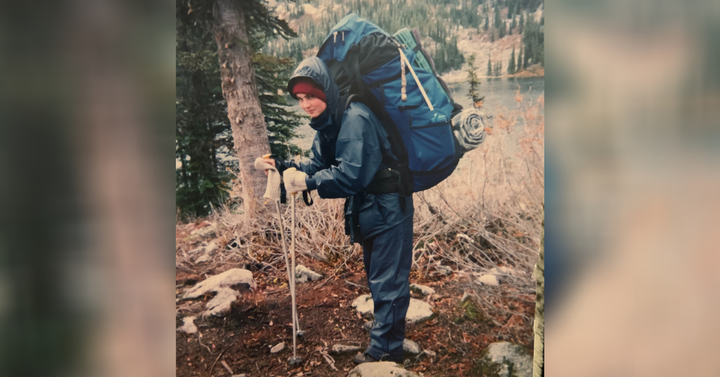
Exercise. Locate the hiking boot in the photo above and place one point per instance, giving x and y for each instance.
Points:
(363, 357)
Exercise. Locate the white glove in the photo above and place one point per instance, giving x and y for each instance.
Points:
(272, 192)
(264, 164)
(294, 180)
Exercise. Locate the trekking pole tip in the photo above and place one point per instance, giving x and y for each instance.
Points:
(295, 360)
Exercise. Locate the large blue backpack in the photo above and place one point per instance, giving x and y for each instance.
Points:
(375, 68)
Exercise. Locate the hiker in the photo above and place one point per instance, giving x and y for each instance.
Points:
(347, 154)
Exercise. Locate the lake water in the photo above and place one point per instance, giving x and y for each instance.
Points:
(499, 96)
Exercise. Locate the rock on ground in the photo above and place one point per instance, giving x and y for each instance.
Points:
(206, 255)
(221, 302)
(279, 347)
(230, 278)
(442, 270)
(410, 346)
(504, 359)
(367, 326)
(425, 290)
(489, 279)
(304, 274)
(381, 369)
(188, 325)
(417, 311)
(363, 304)
(341, 348)
(502, 271)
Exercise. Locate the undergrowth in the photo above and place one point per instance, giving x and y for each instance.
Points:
(487, 214)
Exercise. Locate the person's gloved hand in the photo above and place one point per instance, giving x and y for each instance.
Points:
(294, 180)
(264, 164)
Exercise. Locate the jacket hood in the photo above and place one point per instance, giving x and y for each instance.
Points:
(316, 70)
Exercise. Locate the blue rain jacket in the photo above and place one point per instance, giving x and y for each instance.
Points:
(346, 157)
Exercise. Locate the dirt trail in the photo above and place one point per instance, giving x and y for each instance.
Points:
(261, 319)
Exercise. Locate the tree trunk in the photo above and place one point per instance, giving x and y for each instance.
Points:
(240, 91)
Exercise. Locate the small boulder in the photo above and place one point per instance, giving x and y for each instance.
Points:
(341, 348)
(204, 232)
(412, 347)
(209, 249)
(367, 326)
(364, 304)
(381, 369)
(303, 274)
(231, 278)
(188, 325)
(489, 279)
(502, 271)
(504, 359)
(417, 311)
(422, 289)
(278, 347)
(442, 270)
(221, 302)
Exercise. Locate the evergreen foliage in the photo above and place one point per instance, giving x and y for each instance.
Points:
(534, 43)
(487, 22)
(497, 70)
(518, 65)
(489, 68)
(448, 57)
(204, 144)
(473, 93)
(511, 63)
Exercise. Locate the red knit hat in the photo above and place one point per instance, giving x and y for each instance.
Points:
(308, 86)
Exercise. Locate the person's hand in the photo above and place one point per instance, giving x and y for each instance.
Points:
(262, 163)
(294, 180)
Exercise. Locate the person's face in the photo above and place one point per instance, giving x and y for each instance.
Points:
(310, 104)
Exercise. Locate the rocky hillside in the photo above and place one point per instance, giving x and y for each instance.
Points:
(484, 44)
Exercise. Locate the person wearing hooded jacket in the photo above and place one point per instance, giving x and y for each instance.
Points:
(347, 153)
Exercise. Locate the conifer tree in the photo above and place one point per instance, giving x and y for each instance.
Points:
(487, 22)
(489, 68)
(518, 65)
(498, 68)
(473, 93)
(511, 63)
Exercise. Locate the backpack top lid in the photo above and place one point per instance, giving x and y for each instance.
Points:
(348, 31)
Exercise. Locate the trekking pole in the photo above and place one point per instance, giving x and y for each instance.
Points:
(295, 359)
(287, 265)
(272, 192)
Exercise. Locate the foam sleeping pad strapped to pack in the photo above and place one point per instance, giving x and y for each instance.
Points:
(469, 128)
(410, 100)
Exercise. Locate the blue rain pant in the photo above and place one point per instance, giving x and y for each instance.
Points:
(388, 258)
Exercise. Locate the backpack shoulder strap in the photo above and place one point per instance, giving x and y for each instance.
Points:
(344, 104)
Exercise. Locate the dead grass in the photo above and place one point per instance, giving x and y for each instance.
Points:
(488, 214)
